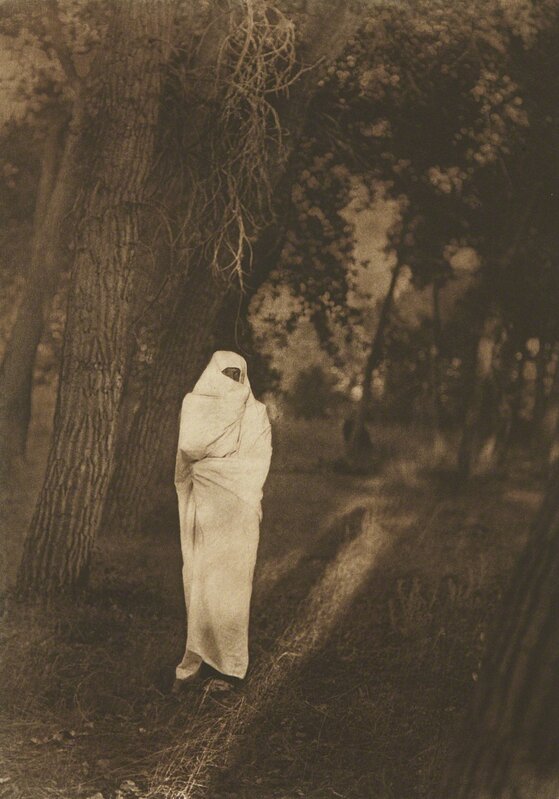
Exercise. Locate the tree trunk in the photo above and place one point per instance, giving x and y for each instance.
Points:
(147, 445)
(143, 477)
(147, 452)
(436, 373)
(55, 194)
(527, 388)
(354, 446)
(549, 425)
(479, 444)
(124, 107)
(144, 437)
(513, 736)
(543, 360)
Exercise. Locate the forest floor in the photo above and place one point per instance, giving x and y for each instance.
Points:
(372, 604)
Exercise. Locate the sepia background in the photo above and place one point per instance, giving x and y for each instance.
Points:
(361, 198)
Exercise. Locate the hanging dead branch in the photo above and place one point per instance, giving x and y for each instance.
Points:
(230, 134)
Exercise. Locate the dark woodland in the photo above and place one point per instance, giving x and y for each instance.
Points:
(361, 197)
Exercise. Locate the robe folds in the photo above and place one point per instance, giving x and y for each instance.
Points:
(223, 459)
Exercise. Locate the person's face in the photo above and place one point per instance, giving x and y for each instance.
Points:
(233, 372)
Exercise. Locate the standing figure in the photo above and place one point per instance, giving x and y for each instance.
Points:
(223, 459)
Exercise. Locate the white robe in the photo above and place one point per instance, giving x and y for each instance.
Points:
(223, 458)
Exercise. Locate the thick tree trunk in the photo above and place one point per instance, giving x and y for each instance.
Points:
(354, 445)
(479, 446)
(204, 318)
(54, 197)
(146, 451)
(513, 737)
(124, 108)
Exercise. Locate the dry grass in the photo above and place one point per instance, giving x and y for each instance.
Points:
(372, 602)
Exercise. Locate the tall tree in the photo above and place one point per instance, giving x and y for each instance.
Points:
(373, 361)
(549, 424)
(143, 477)
(232, 125)
(480, 436)
(124, 91)
(56, 193)
(55, 110)
(289, 43)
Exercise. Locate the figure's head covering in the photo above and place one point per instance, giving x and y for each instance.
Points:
(212, 382)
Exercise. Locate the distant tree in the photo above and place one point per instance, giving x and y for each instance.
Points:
(123, 105)
(55, 110)
(313, 394)
(439, 107)
(373, 361)
(422, 100)
(549, 423)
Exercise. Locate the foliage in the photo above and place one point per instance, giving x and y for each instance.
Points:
(449, 108)
(446, 105)
(318, 240)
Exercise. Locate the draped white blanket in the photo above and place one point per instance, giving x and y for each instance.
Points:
(223, 459)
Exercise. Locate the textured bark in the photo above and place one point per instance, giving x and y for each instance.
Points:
(54, 197)
(203, 319)
(123, 108)
(482, 437)
(146, 451)
(185, 334)
(513, 735)
(353, 446)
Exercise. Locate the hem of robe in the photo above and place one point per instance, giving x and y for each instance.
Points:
(239, 673)
(182, 673)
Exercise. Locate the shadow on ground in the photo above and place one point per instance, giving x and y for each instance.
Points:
(383, 667)
(371, 605)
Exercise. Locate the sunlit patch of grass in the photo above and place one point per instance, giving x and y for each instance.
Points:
(187, 772)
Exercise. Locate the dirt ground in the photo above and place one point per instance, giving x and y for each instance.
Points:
(373, 601)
